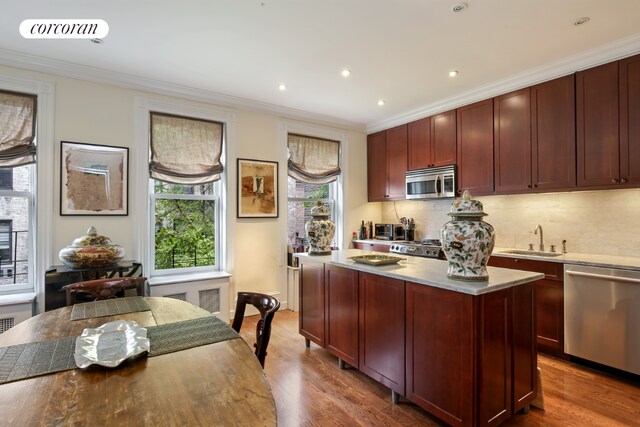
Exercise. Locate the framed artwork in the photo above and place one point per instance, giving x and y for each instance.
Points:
(94, 179)
(257, 189)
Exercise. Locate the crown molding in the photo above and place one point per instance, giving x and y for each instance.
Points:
(590, 58)
(82, 72)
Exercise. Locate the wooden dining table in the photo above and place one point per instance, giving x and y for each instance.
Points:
(219, 384)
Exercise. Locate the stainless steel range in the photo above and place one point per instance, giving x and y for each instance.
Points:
(428, 248)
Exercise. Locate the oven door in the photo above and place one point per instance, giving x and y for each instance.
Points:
(423, 186)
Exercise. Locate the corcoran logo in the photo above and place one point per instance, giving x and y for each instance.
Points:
(64, 28)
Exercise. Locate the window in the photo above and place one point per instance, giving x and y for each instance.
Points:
(17, 189)
(185, 169)
(314, 170)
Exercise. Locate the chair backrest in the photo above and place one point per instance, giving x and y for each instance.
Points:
(100, 289)
(267, 306)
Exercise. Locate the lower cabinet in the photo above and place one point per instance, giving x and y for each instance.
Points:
(371, 246)
(382, 341)
(468, 359)
(549, 300)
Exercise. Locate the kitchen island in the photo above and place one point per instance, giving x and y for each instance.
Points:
(464, 351)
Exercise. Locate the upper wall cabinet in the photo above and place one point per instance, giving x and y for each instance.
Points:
(535, 138)
(432, 141)
(512, 141)
(630, 120)
(387, 164)
(475, 147)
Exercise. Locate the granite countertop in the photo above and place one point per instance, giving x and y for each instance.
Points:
(431, 272)
(594, 260)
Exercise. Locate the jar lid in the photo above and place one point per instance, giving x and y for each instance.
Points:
(320, 210)
(466, 206)
(91, 239)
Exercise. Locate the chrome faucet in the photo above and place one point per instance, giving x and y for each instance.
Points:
(539, 227)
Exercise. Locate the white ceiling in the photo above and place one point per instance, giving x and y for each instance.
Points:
(239, 51)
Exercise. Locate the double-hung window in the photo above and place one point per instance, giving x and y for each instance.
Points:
(313, 169)
(185, 170)
(17, 190)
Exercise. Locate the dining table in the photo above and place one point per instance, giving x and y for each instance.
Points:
(218, 384)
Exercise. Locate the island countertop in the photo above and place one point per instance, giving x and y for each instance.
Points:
(425, 271)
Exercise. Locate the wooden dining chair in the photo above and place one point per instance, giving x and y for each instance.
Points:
(100, 289)
(267, 306)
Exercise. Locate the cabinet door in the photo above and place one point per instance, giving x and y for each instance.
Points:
(597, 126)
(396, 163)
(553, 136)
(377, 166)
(341, 313)
(550, 316)
(419, 144)
(512, 142)
(382, 341)
(439, 352)
(311, 320)
(443, 139)
(630, 120)
(525, 364)
(475, 148)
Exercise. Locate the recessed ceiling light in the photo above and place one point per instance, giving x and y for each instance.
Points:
(282, 86)
(345, 73)
(381, 102)
(581, 21)
(97, 41)
(453, 73)
(459, 7)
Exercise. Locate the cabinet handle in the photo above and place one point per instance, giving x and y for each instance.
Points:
(529, 186)
(535, 185)
(386, 195)
(614, 180)
(623, 180)
(516, 260)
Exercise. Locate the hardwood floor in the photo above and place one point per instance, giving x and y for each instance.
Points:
(310, 390)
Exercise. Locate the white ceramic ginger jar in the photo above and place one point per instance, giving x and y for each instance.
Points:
(467, 240)
(320, 230)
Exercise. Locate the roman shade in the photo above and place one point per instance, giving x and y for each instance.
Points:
(185, 150)
(313, 160)
(17, 129)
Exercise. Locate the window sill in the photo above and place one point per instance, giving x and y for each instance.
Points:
(23, 298)
(184, 278)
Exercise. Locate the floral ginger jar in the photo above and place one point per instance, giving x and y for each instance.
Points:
(320, 230)
(467, 240)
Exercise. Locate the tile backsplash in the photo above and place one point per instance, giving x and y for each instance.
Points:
(598, 222)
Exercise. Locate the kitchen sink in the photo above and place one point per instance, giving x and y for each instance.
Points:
(532, 253)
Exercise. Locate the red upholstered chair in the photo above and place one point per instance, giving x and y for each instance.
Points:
(100, 289)
(267, 306)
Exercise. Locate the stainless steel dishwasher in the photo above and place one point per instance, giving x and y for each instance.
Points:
(602, 315)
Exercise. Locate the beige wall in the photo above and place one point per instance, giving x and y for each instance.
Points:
(599, 222)
(104, 114)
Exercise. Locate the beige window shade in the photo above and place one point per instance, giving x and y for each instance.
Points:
(17, 129)
(185, 150)
(313, 160)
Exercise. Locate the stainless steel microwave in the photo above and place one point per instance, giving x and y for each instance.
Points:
(389, 232)
(431, 183)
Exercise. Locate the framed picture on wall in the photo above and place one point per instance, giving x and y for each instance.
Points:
(257, 189)
(94, 179)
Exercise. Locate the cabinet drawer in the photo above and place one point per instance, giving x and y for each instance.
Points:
(371, 247)
(551, 270)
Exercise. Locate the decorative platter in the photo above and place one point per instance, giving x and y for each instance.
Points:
(110, 344)
(376, 259)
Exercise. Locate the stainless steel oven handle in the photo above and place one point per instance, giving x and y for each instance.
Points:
(438, 185)
(603, 276)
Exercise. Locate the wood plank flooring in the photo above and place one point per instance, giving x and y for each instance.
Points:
(310, 390)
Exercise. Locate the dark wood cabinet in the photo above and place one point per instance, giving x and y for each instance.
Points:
(371, 246)
(312, 302)
(341, 313)
(475, 147)
(382, 340)
(597, 126)
(512, 141)
(443, 139)
(630, 121)
(439, 352)
(553, 135)
(549, 300)
(419, 144)
(387, 164)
